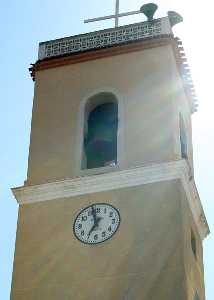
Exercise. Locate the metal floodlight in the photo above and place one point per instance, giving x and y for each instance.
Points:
(149, 10)
(174, 18)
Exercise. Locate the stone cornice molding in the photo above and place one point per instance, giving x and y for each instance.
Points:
(94, 54)
(115, 180)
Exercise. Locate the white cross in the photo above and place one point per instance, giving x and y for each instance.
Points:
(116, 16)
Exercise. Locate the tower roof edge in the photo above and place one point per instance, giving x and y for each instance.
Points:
(104, 38)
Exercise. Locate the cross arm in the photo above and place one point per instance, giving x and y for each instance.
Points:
(113, 16)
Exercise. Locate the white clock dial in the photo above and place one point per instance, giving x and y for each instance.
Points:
(96, 223)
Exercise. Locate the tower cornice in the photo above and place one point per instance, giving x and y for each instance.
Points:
(175, 170)
(112, 42)
(94, 53)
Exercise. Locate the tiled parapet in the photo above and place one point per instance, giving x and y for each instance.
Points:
(104, 38)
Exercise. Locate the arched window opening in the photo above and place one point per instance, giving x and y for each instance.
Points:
(183, 139)
(193, 244)
(100, 137)
(196, 297)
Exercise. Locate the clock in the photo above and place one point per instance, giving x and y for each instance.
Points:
(96, 223)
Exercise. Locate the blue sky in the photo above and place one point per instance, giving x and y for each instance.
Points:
(23, 24)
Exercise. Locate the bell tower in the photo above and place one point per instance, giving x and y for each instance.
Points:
(110, 209)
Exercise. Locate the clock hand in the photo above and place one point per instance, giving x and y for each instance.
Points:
(96, 224)
(94, 214)
(95, 220)
(92, 229)
(98, 221)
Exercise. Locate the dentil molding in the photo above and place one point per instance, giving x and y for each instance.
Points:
(119, 179)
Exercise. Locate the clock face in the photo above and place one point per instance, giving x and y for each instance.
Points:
(96, 223)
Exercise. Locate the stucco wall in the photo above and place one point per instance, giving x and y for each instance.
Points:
(194, 267)
(143, 261)
(147, 86)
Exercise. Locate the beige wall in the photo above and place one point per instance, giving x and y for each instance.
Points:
(143, 261)
(194, 267)
(148, 89)
(150, 257)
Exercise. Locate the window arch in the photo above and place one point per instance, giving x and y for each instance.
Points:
(196, 297)
(183, 138)
(193, 244)
(100, 131)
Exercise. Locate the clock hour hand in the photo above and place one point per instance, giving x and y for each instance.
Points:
(92, 229)
(96, 224)
(98, 219)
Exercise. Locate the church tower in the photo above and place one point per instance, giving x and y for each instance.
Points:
(109, 209)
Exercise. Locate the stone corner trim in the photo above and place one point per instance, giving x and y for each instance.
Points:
(119, 179)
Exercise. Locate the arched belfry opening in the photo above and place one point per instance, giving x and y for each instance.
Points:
(183, 138)
(100, 131)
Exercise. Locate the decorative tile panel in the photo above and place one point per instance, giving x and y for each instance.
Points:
(104, 38)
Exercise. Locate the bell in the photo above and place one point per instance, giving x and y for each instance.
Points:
(149, 10)
(101, 141)
(174, 18)
(100, 151)
(101, 146)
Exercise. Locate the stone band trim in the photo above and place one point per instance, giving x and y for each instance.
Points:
(119, 179)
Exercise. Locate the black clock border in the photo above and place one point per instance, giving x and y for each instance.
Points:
(102, 203)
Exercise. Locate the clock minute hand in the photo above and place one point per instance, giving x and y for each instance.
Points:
(94, 214)
(95, 220)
